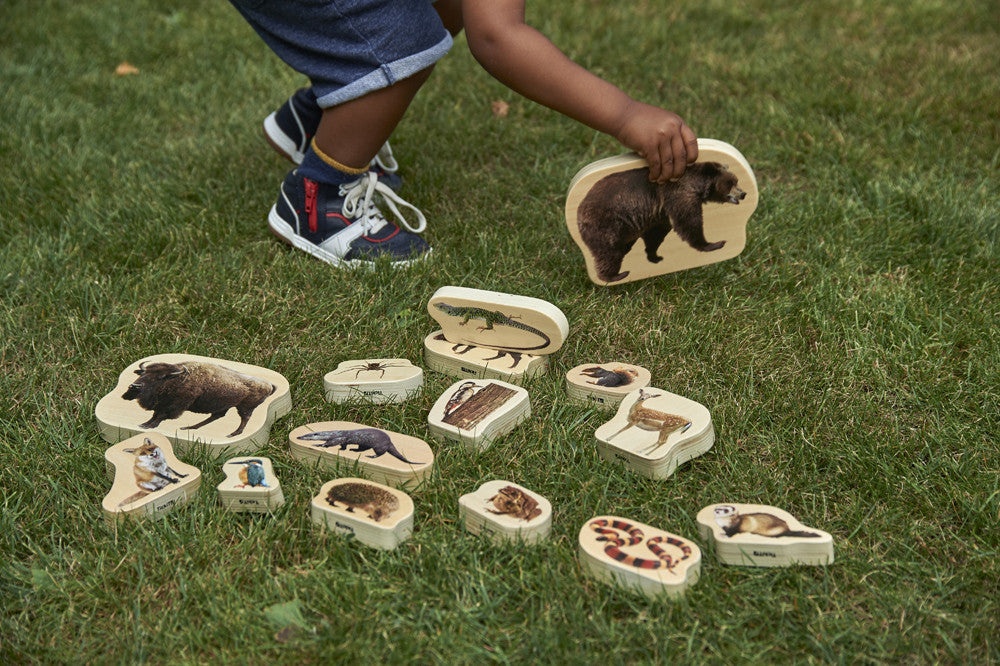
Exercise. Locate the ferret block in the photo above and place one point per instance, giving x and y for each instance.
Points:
(611, 205)
(637, 557)
(227, 406)
(250, 486)
(374, 514)
(654, 431)
(504, 511)
(475, 412)
(381, 455)
(472, 362)
(604, 385)
(757, 535)
(376, 380)
(149, 480)
(504, 322)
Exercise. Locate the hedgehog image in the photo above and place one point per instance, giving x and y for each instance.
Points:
(375, 501)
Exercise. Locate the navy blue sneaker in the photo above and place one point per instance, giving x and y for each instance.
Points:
(290, 129)
(342, 226)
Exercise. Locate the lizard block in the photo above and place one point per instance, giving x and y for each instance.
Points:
(629, 228)
(498, 321)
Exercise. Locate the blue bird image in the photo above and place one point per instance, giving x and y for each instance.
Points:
(252, 473)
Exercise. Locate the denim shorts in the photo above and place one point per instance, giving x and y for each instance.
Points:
(349, 48)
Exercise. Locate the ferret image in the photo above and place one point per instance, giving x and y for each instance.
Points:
(762, 524)
(376, 502)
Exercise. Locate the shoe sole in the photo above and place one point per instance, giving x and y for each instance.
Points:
(280, 141)
(284, 232)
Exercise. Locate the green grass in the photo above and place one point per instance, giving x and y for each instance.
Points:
(848, 356)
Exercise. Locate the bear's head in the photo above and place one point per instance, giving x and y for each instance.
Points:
(714, 182)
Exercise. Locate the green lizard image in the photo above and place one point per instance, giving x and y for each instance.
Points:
(492, 319)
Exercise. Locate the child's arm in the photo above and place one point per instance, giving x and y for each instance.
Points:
(526, 61)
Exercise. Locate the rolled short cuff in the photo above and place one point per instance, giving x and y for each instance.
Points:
(382, 77)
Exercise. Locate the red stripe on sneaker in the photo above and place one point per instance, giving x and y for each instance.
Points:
(381, 240)
(312, 187)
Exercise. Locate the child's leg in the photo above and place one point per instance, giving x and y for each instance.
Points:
(353, 132)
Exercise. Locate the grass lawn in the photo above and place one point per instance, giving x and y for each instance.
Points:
(848, 356)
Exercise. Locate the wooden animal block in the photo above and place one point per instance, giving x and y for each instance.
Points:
(604, 385)
(477, 411)
(611, 206)
(499, 321)
(250, 486)
(757, 535)
(470, 361)
(225, 405)
(374, 514)
(149, 480)
(505, 511)
(638, 557)
(377, 380)
(654, 431)
(381, 455)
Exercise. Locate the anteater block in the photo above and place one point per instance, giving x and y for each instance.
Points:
(505, 511)
(472, 362)
(499, 321)
(654, 431)
(638, 557)
(477, 411)
(250, 486)
(376, 515)
(604, 384)
(148, 479)
(381, 455)
(757, 535)
(377, 380)
(629, 229)
(228, 406)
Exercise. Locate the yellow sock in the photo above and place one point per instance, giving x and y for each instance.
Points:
(354, 171)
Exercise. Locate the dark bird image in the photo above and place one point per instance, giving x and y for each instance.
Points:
(611, 378)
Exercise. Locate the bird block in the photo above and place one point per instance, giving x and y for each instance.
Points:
(377, 380)
(505, 511)
(376, 515)
(250, 486)
(604, 385)
(381, 455)
(498, 321)
(757, 535)
(611, 205)
(470, 361)
(149, 480)
(227, 406)
(477, 411)
(638, 557)
(654, 431)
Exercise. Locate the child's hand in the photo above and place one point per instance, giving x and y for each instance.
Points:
(661, 137)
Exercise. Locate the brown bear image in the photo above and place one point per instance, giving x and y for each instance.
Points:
(625, 206)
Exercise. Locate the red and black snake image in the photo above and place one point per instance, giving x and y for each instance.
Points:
(615, 543)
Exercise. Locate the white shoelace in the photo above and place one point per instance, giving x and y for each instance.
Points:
(386, 160)
(358, 204)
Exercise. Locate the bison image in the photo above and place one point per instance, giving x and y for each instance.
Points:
(170, 389)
